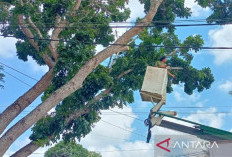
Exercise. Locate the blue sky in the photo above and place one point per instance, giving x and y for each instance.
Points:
(212, 100)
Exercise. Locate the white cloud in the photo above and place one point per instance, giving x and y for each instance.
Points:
(207, 117)
(111, 141)
(201, 103)
(99, 48)
(221, 37)
(103, 130)
(35, 67)
(196, 9)
(144, 150)
(137, 10)
(8, 49)
(227, 86)
(8, 153)
(180, 96)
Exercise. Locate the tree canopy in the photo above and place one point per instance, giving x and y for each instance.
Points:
(64, 35)
(119, 90)
(70, 149)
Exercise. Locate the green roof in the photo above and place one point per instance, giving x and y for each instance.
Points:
(225, 135)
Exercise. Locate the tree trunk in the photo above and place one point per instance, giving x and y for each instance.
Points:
(75, 83)
(26, 99)
(32, 146)
(27, 150)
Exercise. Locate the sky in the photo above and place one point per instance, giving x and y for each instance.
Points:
(118, 135)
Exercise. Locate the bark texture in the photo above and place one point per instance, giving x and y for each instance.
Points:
(25, 100)
(75, 83)
(33, 146)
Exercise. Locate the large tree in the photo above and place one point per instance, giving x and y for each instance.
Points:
(70, 149)
(63, 35)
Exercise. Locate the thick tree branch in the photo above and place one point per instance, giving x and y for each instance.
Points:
(27, 32)
(75, 83)
(35, 27)
(76, 7)
(53, 44)
(30, 37)
(173, 52)
(55, 34)
(125, 48)
(97, 98)
(33, 146)
(25, 100)
(124, 73)
(26, 150)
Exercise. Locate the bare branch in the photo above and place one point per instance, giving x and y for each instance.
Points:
(76, 7)
(21, 2)
(27, 32)
(173, 52)
(53, 44)
(30, 37)
(34, 26)
(124, 73)
(104, 9)
(108, 66)
(125, 48)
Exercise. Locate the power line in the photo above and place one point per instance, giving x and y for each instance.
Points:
(130, 26)
(173, 107)
(17, 79)
(138, 134)
(145, 113)
(193, 154)
(115, 138)
(155, 46)
(111, 151)
(18, 71)
(136, 22)
(126, 115)
(121, 150)
(157, 21)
